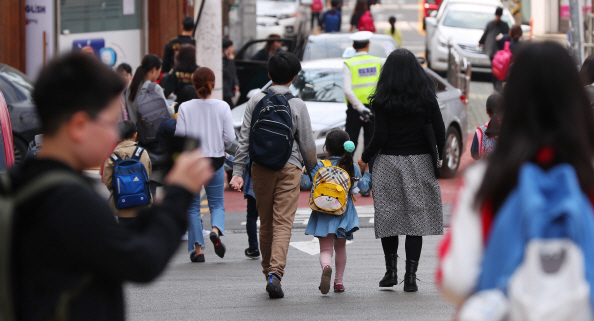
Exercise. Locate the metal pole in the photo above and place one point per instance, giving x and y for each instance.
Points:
(209, 37)
(577, 30)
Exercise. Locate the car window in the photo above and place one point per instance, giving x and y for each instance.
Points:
(335, 48)
(16, 84)
(469, 19)
(2, 154)
(319, 85)
(441, 87)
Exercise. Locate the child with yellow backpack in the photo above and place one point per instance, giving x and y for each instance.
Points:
(334, 218)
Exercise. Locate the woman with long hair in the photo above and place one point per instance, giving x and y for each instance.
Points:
(181, 74)
(406, 194)
(211, 121)
(548, 121)
(360, 9)
(148, 72)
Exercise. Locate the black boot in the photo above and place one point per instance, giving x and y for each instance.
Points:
(410, 277)
(390, 279)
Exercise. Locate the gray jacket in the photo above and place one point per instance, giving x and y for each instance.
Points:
(302, 132)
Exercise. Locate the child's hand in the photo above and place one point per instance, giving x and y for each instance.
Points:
(362, 165)
(236, 183)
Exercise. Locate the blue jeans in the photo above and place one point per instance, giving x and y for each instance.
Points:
(216, 203)
(251, 224)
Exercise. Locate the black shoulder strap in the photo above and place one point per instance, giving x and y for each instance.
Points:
(137, 152)
(289, 96)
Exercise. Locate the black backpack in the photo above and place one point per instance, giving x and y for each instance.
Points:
(271, 133)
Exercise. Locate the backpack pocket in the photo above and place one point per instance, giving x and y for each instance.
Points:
(329, 197)
(129, 184)
(133, 200)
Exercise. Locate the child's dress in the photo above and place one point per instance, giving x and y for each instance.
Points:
(343, 226)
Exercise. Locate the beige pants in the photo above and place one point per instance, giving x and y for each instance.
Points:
(277, 195)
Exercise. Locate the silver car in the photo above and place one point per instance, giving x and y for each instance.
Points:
(330, 45)
(319, 85)
(461, 23)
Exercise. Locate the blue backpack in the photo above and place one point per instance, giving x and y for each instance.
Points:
(271, 133)
(130, 181)
(332, 21)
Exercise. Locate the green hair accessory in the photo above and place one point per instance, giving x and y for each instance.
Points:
(349, 146)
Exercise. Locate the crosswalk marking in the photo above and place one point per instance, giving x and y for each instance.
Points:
(310, 247)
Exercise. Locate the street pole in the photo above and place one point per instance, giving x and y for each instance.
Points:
(209, 39)
(577, 30)
(243, 23)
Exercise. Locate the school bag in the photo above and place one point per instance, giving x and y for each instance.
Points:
(271, 133)
(332, 21)
(130, 185)
(330, 191)
(9, 201)
(366, 22)
(501, 62)
(152, 108)
(538, 262)
(317, 6)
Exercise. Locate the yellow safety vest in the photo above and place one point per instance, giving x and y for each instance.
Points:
(365, 71)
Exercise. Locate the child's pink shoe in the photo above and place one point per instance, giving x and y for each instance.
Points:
(325, 281)
(338, 287)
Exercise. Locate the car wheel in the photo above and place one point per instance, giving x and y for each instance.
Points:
(452, 152)
(20, 150)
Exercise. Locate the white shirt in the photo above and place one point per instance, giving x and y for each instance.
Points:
(207, 119)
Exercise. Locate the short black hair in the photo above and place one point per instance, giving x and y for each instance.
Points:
(124, 67)
(227, 43)
(360, 44)
(495, 103)
(334, 3)
(283, 67)
(499, 11)
(188, 23)
(127, 129)
(72, 83)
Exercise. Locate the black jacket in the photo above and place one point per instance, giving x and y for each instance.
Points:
(176, 80)
(171, 48)
(229, 77)
(404, 134)
(70, 232)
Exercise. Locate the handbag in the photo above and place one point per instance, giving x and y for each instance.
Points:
(433, 149)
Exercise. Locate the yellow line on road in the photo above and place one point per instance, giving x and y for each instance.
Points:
(421, 18)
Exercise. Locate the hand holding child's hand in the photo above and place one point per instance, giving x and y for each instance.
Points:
(236, 183)
(190, 171)
(362, 164)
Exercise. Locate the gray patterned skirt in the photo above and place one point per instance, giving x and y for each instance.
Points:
(406, 196)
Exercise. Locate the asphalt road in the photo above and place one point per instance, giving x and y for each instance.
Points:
(233, 288)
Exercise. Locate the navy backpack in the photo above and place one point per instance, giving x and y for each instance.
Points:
(271, 133)
(130, 181)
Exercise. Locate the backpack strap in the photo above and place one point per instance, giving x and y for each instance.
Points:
(137, 153)
(31, 189)
(115, 157)
(326, 162)
(151, 87)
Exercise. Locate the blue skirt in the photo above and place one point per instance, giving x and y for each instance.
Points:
(343, 226)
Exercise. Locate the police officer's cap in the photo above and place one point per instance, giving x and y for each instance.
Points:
(361, 36)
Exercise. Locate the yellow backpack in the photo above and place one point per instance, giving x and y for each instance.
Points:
(330, 191)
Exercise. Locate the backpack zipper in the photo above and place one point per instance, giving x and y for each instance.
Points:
(270, 131)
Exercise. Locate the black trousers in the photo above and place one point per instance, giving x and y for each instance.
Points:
(412, 246)
(353, 126)
(315, 16)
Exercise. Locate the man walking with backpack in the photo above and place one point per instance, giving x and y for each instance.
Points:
(332, 19)
(276, 133)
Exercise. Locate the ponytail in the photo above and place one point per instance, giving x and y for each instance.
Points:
(392, 22)
(149, 62)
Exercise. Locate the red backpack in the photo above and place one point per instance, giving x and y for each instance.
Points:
(501, 62)
(317, 6)
(366, 22)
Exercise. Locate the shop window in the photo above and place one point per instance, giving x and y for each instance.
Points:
(81, 16)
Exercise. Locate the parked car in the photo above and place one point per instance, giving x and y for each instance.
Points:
(461, 23)
(428, 7)
(286, 18)
(319, 85)
(6, 143)
(17, 89)
(330, 45)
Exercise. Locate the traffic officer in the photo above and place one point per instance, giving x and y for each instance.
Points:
(360, 75)
(176, 43)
